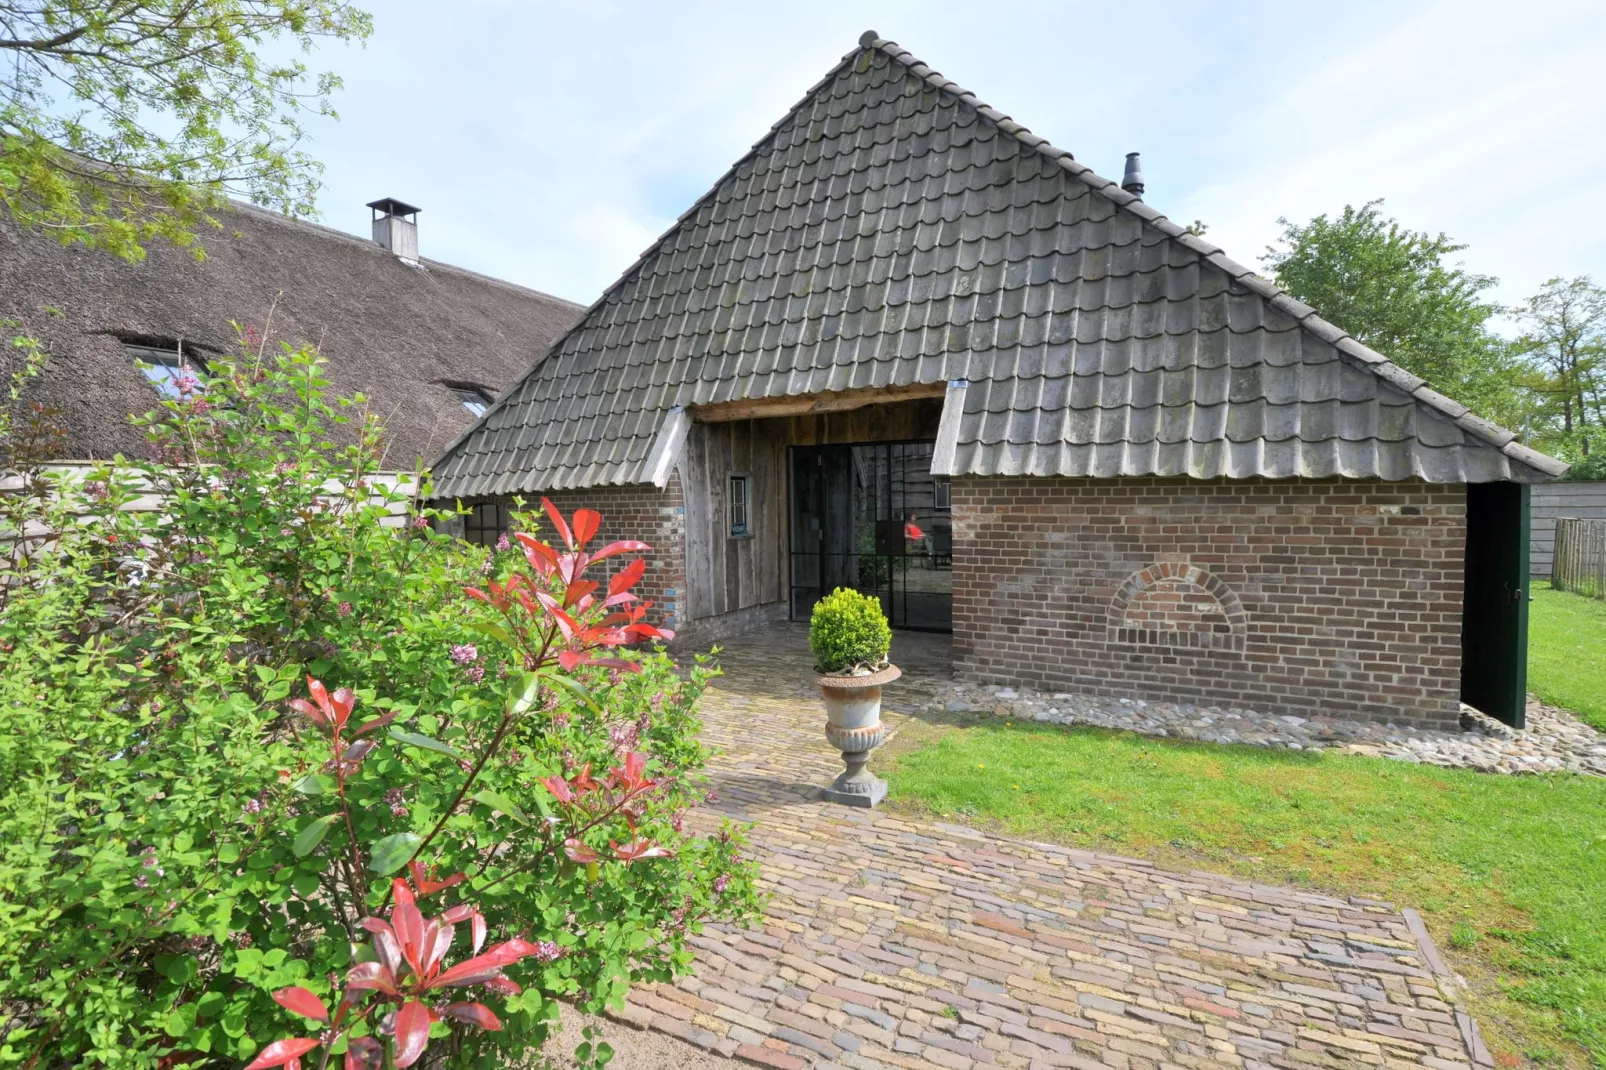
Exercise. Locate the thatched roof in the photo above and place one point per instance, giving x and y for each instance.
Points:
(400, 334)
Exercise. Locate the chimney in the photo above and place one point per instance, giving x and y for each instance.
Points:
(396, 228)
(1133, 180)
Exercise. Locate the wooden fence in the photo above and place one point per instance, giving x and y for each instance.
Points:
(1580, 563)
(1587, 501)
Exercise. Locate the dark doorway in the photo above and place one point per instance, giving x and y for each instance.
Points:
(1494, 615)
(873, 518)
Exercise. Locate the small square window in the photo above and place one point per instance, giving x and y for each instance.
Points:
(476, 401)
(168, 369)
(739, 496)
(941, 492)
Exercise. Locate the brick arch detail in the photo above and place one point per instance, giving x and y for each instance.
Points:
(1122, 629)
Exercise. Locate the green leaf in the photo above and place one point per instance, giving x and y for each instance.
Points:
(573, 686)
(266, 675)
(414, 739)
(181, 971)
(529, 688)
(495, 631)
(314, 784)
(393, 852)
(497, 801)
(311, 836)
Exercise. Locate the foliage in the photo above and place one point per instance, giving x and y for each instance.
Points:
(124, 122)
(1393, 290)
(1567, 652)
(1564, 343)
(848, 631)
(179, 843)
(1516, 859)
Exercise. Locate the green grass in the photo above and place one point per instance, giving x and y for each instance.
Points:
(1567, 652)
(1510, 872)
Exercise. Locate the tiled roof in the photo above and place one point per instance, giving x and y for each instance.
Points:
(892, 229)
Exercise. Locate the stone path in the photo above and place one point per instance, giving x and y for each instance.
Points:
(897, 943)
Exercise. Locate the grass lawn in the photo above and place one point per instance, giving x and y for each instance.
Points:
(1567, 652)
(1509, 872)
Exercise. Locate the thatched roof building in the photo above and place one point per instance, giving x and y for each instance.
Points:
(428, 343)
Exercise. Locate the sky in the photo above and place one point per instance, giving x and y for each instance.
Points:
(550, 144)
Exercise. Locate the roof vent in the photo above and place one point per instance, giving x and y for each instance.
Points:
(396, 228)
(1132, 181)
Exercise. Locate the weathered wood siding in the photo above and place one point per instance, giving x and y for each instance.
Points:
(726, 575)
(1548, 501)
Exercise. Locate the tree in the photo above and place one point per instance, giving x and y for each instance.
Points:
(1392, 289)
(1564, 342)
(131, 120)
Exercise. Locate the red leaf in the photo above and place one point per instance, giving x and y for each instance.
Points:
(378, 722)
(558, 522)
(627, 577)
(482, 968)
(427, 885)
(578, 852)
(372, 975)
(477, 929)
(309, 711)
(281, 1052)
(364, 1053)
(630, 852)
(357, 751)
(412, 1032)
(475, 592)
(559, 788)
(298, 1000)
(566, 623)
(623, 546)
(474, 1014)
(343, 701)
(586, 523)
(578, 590)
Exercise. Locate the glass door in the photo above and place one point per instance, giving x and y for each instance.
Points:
(873, 518)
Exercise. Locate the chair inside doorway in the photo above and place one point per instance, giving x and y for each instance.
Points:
(872, 517)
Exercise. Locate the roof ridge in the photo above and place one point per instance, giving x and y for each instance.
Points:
(325, 230)
(1303, 314)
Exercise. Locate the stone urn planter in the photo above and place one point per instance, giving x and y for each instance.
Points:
(850, 638)
(853, 726)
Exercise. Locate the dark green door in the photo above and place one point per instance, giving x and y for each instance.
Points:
(1494, 615)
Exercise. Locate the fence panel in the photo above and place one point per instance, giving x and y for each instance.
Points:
(1580, 561)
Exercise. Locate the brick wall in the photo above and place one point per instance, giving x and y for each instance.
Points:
(655, 517)
(1304, 597)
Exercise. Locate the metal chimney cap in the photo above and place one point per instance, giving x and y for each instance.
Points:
(1132, 181)
(391, 206)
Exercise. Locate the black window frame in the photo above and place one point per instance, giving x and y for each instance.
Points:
(171, 356)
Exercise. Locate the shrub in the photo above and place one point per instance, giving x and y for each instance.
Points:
(199, 840)
(848, 631)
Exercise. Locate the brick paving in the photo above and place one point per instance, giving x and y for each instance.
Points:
(890, 942)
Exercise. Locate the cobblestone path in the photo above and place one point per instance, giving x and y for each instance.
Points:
(897, 943)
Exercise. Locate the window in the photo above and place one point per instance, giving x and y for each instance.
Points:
(941, 492)
(739, 496)
(475, 400)
(487, 523)
(167, 367)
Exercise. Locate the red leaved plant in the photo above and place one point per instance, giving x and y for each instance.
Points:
(392, 992)
(558, 614)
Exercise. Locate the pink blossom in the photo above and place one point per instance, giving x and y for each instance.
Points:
(465, 654)
(501, 542)
(345, 609)
(475, 673)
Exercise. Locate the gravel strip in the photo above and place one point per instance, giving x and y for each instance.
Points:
(1555, 740)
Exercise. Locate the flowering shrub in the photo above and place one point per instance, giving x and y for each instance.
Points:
(202, 845)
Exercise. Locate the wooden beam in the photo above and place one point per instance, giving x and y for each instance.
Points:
(809, 404)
